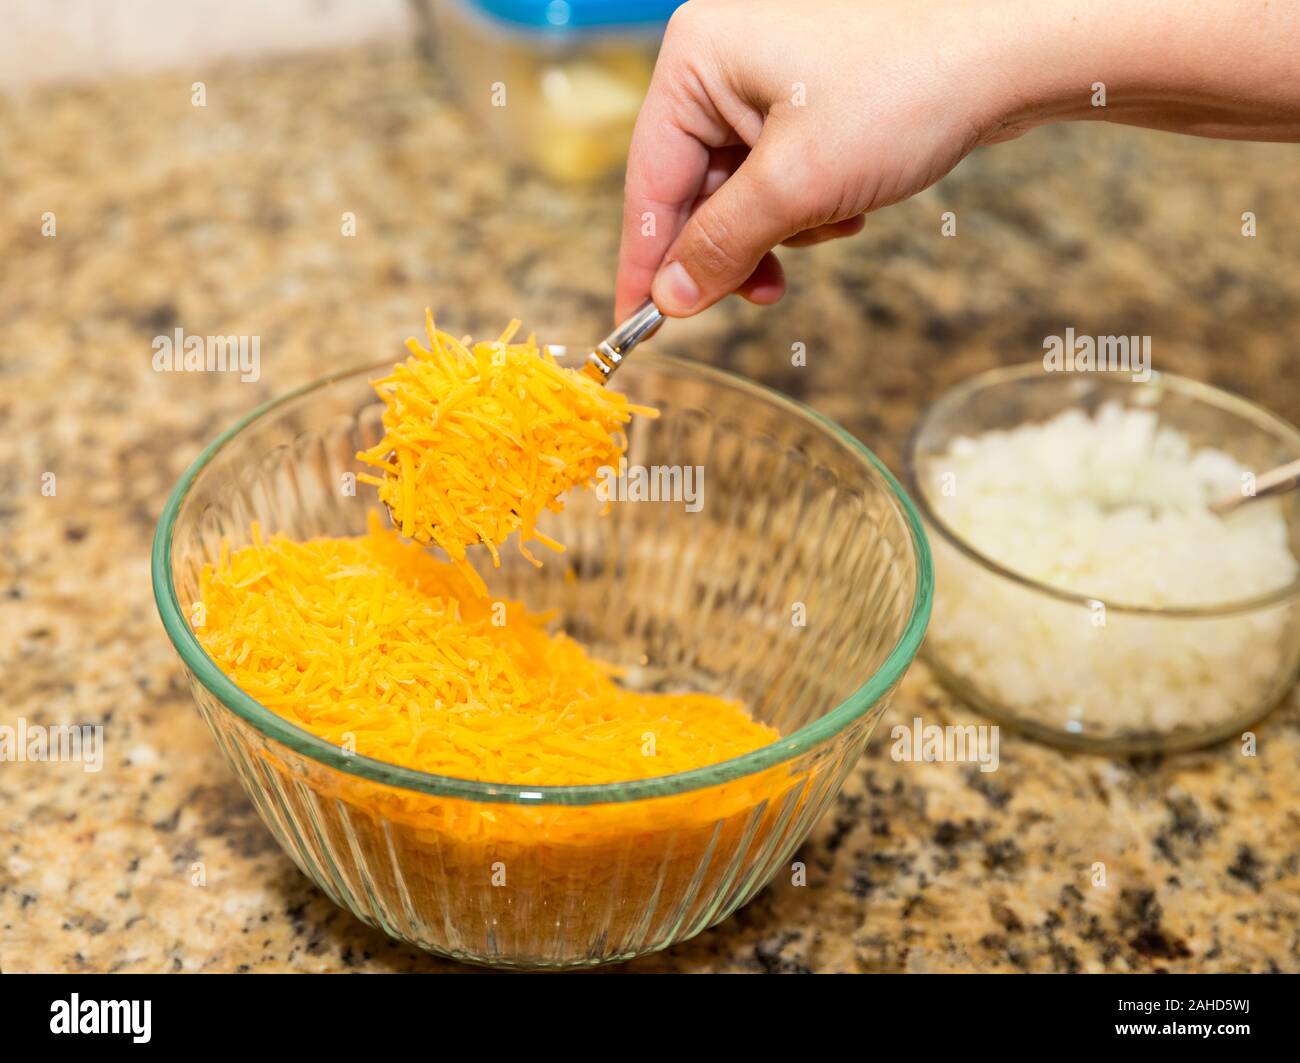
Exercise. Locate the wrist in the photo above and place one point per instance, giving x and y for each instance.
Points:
(1055, 61)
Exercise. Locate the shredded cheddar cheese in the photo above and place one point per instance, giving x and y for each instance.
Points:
(377, 646)
(373, 638)
(480, 438)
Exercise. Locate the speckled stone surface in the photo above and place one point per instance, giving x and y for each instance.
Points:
(226, 219)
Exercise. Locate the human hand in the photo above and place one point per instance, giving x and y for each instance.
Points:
(769, 122)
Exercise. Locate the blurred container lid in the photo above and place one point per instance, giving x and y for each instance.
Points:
(577, 14)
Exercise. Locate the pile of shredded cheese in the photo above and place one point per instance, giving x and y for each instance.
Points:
(374, 645)
(480, 438)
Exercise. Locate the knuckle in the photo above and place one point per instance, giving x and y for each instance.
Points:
(785, 188)
(802, 189)
(683, 25)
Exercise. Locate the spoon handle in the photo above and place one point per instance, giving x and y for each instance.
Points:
(1273, 482)
(611, 351)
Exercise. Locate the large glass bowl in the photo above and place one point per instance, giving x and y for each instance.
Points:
(1081, 670)
(802, 586)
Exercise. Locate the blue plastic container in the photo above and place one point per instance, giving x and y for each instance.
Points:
(557, 82)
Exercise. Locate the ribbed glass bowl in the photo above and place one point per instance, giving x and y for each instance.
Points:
(801, 586)
(1079, 670)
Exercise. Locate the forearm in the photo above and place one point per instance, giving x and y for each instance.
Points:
(1220, 68)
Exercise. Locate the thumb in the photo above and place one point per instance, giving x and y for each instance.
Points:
(728, 234)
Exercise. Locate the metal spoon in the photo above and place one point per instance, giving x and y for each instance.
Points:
(607, 356)
(1274, 482)
(611, 351)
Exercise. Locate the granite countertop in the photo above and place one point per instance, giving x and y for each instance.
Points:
(226, 219)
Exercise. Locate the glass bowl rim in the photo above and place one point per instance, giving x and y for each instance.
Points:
(273, 726)
(1259, 417)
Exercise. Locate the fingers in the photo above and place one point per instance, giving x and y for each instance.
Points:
(666, 168)
(716, 179)
(766, 284)
(643, 238)
(681, 149)
(832, 231)
(724, 240)
(723, 162)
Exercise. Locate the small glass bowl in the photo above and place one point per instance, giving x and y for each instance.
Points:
(801, 585)
(1035, 656)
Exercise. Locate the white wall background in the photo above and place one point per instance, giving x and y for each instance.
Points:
(60, 40)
